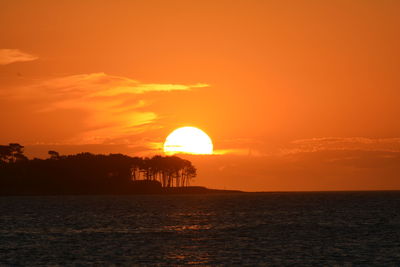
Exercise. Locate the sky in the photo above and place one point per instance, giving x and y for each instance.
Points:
(296, 95)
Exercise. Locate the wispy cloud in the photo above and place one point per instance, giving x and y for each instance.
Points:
(103, 85)
(113, 108)
(239, 146)
(344, 143)
(8, 56)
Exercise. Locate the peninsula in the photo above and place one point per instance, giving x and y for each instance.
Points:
(91, 174)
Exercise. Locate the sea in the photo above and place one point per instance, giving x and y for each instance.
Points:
(249, 229)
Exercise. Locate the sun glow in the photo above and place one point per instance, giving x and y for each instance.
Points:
(189, 140)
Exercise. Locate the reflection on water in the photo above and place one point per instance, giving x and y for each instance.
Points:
(245, 229)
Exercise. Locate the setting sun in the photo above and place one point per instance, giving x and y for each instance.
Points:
(178, 132)
(189, 140)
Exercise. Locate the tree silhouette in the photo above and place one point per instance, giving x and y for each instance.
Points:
(85, 173)
(5, 154)
(53, 154)
(14, 152)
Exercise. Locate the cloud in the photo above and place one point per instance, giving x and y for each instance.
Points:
(8, 56)
(239, 146)
(113, 108)
(319, 170)
(346, 143)
(103, 85)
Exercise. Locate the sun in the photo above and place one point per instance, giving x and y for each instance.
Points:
(190, 140)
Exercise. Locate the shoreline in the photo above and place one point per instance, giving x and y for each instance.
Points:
(193, 190)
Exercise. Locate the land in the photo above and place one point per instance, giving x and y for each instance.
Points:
(95, 174)
(142, 187)
(197, 190)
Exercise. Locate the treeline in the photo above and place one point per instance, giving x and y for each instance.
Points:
(87, 173)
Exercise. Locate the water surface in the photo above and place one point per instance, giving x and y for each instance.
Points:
(336, 228)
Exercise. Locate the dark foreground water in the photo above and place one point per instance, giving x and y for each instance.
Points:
(361, 228)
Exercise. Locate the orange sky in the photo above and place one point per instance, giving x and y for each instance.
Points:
(304, 94)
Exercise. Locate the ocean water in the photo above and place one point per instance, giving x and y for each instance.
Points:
(257, 229)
